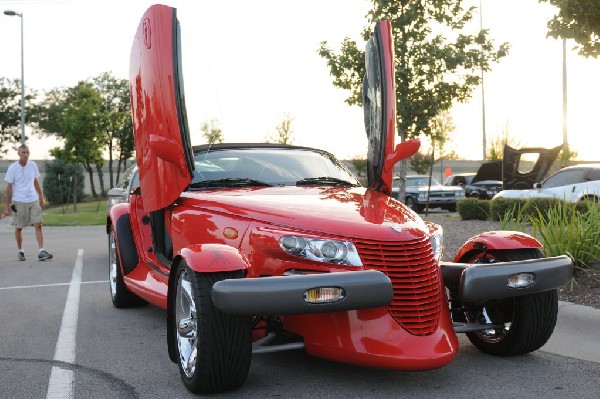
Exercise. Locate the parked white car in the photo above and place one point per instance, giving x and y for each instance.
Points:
(571, 184)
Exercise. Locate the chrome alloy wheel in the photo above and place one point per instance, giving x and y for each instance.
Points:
(186, 324)
(112, 265)
(493, 335)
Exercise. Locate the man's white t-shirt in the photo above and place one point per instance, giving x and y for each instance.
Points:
(22, 178)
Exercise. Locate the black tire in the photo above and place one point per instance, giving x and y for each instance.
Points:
(529, 320)
(412, 204)
(222, 343)
(451, 208)
(120, 295)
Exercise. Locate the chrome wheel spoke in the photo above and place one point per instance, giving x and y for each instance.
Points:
(112, 265)
(187, 326)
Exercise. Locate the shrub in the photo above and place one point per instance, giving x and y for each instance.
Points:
(563, 228)
(499, 207)
(473, 209)
(58, 183)
(566, 230)
(583, 206)
(541, 207)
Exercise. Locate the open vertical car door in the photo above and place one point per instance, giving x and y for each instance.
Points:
(162, 141)
(379, 104)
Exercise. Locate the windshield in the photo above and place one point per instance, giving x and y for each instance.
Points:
(268, 167)
(420, 181)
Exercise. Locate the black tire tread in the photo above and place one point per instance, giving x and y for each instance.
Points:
(123, 297)
(224, 341)
(534, 318)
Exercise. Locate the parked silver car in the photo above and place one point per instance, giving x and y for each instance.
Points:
(571, 184)
(120, 193)
(417, 187)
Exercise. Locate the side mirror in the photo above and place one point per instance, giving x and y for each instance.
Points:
(116, 192)
(537, 186)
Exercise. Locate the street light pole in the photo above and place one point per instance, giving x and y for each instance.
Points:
(565, 148)
(20, 15)
(482, 92)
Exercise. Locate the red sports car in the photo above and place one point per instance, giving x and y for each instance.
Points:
(255, 248)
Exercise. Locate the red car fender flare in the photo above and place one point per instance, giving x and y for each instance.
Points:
(212, 258)
(497, 240)
(119, 221)
(203, 258)
(115, 213)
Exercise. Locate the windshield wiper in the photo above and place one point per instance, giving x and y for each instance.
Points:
(324, 181)
(230, 182)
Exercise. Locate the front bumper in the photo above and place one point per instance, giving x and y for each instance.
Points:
(488, 281)
(284, 295)
(439, 201)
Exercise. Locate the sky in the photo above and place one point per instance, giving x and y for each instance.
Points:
(248, 63)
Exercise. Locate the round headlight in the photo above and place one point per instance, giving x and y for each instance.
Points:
(292, 243)
(334, 250)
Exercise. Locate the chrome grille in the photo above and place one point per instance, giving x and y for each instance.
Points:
(415, 279)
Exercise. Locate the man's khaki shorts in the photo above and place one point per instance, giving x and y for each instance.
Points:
(27, 214)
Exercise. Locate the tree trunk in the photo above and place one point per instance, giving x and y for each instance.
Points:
(90, 171)
(110, 164)
(118, 171)
(100, 178)
(75, 189)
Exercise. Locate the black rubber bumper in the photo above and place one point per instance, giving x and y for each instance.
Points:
(285, 294)
(487, 281)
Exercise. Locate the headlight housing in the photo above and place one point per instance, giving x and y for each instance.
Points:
(321, 250)
(422, 196)
(437, 244)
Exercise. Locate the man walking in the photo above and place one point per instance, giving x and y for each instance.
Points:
(25, 199)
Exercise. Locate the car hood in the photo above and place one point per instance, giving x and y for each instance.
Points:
(488, 171)
(349, 212)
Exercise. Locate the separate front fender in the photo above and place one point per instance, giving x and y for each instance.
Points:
(115, 213)
(497, 240)
(212, 258)
(203, 258)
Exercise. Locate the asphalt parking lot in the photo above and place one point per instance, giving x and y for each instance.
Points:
(61, 337)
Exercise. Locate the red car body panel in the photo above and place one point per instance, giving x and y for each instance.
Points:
(158, 130)
(240, 228)
(372, 337)
(379, 102)
(498, 240)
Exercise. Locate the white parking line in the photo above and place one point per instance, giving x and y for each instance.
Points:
(60, 384)
(18, 287)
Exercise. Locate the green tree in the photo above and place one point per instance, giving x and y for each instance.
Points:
(63, 182)
(10, 112)
(442, 127)
(74, 114)
(284, 131)
(360, 165)
(115, 121)
(437, 63)
(578, 20)
(432, 72)
(421, 163)
(211, 130)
